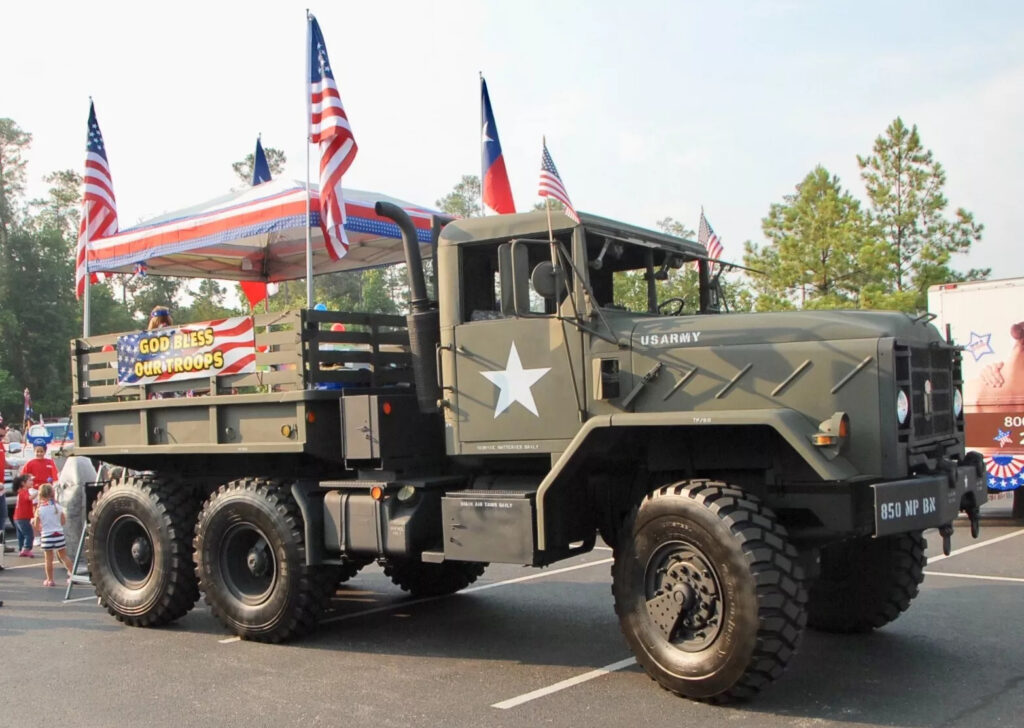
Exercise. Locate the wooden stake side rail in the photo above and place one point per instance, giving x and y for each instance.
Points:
(304, 362)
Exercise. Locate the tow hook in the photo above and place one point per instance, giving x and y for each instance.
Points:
(974, 515)
(946, 531)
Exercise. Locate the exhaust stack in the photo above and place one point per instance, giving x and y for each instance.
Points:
(424, 319)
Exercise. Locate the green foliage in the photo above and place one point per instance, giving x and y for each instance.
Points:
(904, 184)
(13, 144)
(673, 227)
(276, 160)
(464, 199)
(816, 257)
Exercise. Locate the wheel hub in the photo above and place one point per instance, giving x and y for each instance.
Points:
(684, 596)
(257, 560)
(142, 551)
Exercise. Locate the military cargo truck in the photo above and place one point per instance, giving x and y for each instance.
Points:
(753, 473)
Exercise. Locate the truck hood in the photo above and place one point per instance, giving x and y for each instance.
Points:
(775, 328)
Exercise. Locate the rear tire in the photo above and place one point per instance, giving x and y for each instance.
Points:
(251, 562)
(432, 580)
(139, 550)
(709, 591)
(865, 583)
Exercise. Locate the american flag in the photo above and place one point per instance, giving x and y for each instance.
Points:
(706, 237)
(551, 183)
(99, 209)
(232, 337)
(330, 129)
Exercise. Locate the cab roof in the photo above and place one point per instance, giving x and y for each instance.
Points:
(535, 225)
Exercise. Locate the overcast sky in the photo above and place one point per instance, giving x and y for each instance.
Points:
(651, 109)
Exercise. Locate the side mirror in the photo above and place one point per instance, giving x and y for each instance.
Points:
(544, 280)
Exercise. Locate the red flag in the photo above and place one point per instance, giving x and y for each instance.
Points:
(330, 129)
(99, 209)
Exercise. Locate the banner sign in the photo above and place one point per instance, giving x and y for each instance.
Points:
(226, 346)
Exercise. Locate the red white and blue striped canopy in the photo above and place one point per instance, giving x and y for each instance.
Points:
(259, 234)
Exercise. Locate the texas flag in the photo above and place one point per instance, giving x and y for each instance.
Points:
(497, 194)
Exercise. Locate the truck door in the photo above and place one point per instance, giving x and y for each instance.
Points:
(516, 380)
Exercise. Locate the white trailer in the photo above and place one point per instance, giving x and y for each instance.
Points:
(987, 319)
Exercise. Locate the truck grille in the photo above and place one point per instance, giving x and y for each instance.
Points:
(930, 376)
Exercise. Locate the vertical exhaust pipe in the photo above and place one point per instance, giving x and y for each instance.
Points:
(423, 320)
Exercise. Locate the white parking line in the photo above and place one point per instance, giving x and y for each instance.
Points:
(24, 566)
(976, 576)
(965, 549)
(541, 692)
(229, 640)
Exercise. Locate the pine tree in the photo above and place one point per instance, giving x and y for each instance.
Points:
(814, 258)
(908, 210)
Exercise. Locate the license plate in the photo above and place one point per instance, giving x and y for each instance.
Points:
(908, 506)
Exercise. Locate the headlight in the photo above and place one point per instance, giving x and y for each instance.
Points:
(958, 403)
(902, 407)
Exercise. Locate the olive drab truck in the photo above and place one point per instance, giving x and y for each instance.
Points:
(754, 473)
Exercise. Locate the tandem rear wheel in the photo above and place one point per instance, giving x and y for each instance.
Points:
(708, 591)
(250, 558)
(139, 549)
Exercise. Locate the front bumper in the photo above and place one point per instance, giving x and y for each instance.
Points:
(928, 501)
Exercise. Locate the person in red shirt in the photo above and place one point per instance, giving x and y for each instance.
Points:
(42, 468)
(24, 510)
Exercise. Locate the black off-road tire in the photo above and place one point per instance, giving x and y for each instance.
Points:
(139, 550)
(350, 568)
(433, 580)
(865, 583)
(709, 591)
(250, 558)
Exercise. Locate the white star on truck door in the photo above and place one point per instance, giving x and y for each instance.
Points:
(515, 383)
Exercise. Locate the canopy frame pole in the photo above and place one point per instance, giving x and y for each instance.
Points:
(88, 275)
(309, 134)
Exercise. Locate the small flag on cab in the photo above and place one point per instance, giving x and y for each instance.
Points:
(551, 183)
(706, 237)
(495, 190)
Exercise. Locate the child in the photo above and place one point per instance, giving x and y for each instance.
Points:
(49, 521)
(24, 488)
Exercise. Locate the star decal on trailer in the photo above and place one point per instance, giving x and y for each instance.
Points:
(514, 383)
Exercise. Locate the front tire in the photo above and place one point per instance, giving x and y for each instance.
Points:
(251, 562)
(708, 591)
(139, 550)
(865, 583)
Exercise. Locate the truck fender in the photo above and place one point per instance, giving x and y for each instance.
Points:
(793, 427)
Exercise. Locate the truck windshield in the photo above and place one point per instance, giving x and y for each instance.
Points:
(641, 278)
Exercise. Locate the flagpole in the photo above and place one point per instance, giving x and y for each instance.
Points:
(85, 293)
(483, 210)
(309, 133)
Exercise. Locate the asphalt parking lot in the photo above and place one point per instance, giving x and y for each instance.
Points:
(522, 647)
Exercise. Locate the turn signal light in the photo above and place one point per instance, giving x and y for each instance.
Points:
(386, 408)
(377, 493)
(286, 430)
(97, 436)
(310, 417)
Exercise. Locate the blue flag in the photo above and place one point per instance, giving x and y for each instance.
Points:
(260, 168)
